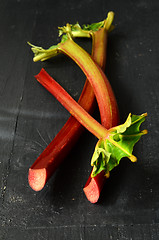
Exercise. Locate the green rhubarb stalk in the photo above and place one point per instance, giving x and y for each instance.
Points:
(94, 74)
(113, 144)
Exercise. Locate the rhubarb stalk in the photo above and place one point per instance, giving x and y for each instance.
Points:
(94, 74)
(94, 185)
(52, 156)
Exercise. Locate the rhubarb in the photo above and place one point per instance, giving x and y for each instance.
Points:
(113, 144)
(94, 185)
(52, 156)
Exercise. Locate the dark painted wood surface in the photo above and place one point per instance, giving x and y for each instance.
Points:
(30, 118)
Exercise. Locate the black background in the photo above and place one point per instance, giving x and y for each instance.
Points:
(30, 118)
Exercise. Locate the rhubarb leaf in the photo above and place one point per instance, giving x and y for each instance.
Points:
(100, 158)
(94, 26)
(118, 144)
(75, 30)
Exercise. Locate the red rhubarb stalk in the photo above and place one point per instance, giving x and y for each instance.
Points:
(56, 151)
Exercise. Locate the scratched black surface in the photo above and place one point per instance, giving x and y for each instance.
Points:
(30, 118)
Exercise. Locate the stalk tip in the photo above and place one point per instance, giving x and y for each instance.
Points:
(109, 20)
(144, 131)
(37, 178)
(92, 191)
(133, 158)
(94, 187)
(145, 114)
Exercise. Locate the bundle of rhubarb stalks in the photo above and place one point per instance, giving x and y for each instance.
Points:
(114, 141)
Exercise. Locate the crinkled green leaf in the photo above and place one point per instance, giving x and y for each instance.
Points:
(75, 30)
(122, 128)
(118, 144)
(100, 158)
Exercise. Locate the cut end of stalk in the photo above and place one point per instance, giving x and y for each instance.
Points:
(94, 186)
(92, 191)
(37, 178)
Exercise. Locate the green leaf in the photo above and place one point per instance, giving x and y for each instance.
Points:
(118, 144)
(94, 26)
(74, 31)
(100, 158)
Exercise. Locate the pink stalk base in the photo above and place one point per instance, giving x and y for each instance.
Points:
(94, 187)
(51, 158)
(37, 178)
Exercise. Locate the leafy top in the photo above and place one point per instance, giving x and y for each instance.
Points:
(87, 29)
(44, 54)
(94, 26)
(119, 143)
(68, 32)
